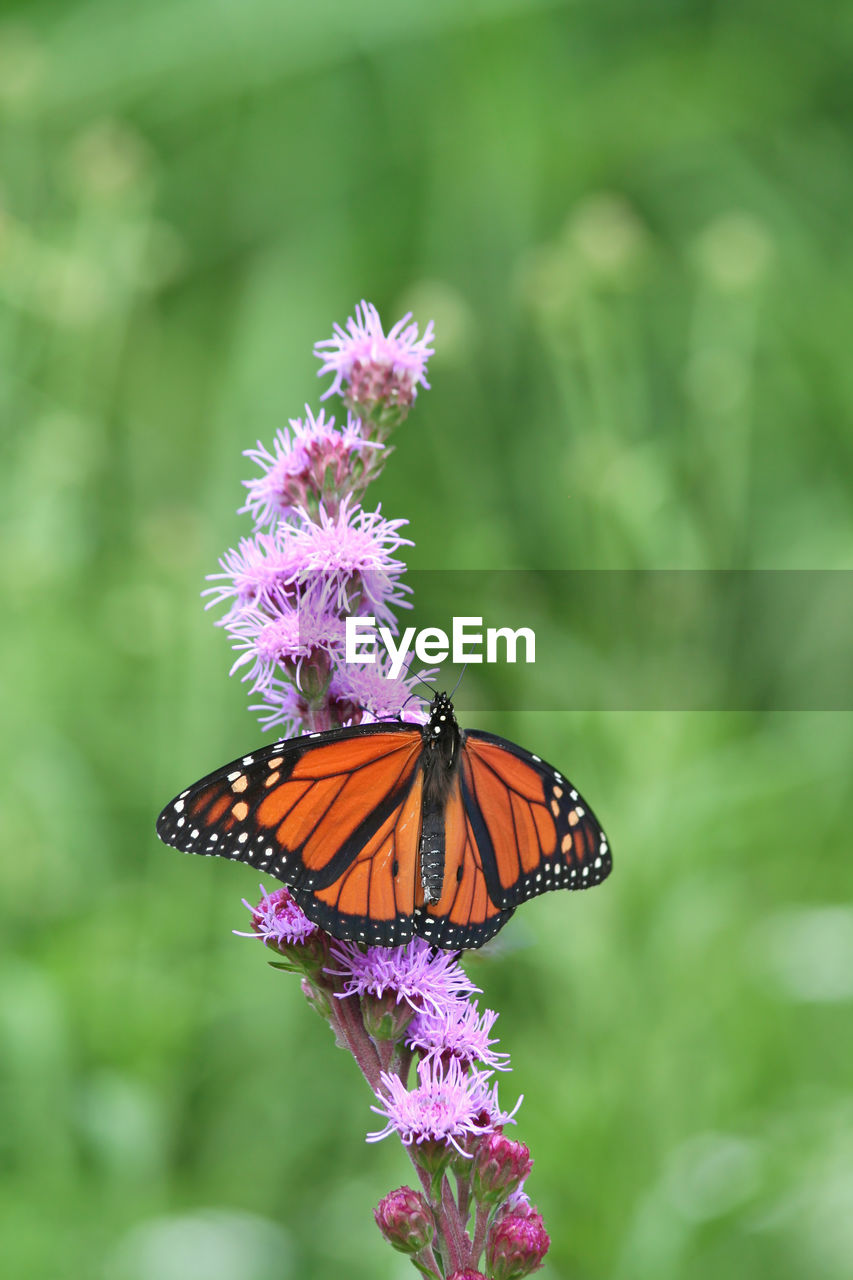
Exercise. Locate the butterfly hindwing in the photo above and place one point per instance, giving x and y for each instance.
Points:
(335, 816)
(533, 829)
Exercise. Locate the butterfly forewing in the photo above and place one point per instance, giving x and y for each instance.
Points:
(335, 816)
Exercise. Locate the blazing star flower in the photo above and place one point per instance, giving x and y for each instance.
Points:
(373, 369)
(278, 920)
(368, 692)
(262, 571)
(448, 1106)
(284, 709)
(519, 1203)
(310, 463)
(418, 975)
(284, 641)
(353, 552)
(457, 1029)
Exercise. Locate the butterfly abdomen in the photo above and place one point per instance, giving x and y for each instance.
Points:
(432, 854)
(440, 764)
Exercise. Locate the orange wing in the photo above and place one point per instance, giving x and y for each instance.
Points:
(335, 816)
(532, 829)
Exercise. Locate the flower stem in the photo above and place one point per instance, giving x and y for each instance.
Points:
(463, 1198)
(347, 1015)
(458, 1238)
(481, 1226)
(401, 1061)
(427, 1264)
(450, 1238)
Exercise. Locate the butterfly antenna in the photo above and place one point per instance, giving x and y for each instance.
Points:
(459, 681)
(420, 680)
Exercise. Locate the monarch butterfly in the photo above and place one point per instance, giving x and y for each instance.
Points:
(390, 829)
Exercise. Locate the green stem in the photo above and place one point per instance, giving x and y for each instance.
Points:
(481, 1226)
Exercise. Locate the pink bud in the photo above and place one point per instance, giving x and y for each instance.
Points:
(500, 1166)
(405, 1220)
(516, 1245)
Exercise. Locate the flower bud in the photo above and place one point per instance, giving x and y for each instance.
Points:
(405, 1220)
(317, 999)
(468, 1274)
(386, 1016)
(516, 1245)
(432, 1156)
(311, 675)
(500, 1165)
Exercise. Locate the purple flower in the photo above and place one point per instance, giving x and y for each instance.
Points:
(284, 709)
(353, 551)
(518, 1202)
(262, 570)
(278, 920)
(310, 463)
(448, 1105)
(373, 369)
(516, 1245)
(457, 1029)
(418, 975)
(365, 693)
(405, 1220)
(284, 641)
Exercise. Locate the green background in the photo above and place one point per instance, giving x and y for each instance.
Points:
(630, 224)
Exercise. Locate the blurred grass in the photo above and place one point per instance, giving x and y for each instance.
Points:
(632, 230)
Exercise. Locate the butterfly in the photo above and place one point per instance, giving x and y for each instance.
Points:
(391, 829)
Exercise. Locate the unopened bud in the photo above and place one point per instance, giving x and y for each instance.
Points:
(516, 1245)
(405, 1220)
(317, 999)
(500, 1166)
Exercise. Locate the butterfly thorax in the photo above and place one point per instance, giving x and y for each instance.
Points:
(441, 735)
(440, 759)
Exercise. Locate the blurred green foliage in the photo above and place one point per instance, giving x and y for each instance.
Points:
(630, 224)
